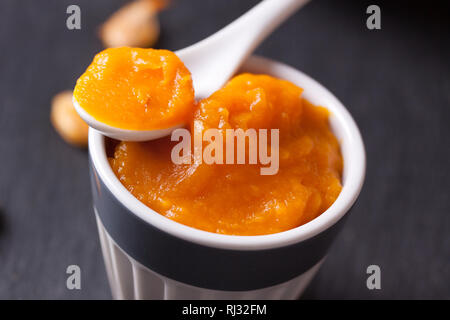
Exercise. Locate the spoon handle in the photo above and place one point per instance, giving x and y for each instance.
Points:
(221, 54)
(259, 22)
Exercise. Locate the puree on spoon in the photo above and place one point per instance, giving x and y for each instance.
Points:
(136, 89)
(236, 199)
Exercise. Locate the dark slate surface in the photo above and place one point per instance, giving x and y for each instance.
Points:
(394, 81)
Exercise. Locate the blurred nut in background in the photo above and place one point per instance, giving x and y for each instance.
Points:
(66, 120)
(134, 25)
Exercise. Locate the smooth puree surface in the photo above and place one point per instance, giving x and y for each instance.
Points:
(236, 199)
(136, 89)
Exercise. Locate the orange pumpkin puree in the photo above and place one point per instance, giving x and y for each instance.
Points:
(139, 89)
(236, 199)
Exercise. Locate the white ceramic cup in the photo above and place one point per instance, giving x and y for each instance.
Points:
(149, 256)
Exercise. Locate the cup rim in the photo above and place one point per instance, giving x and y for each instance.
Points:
(352, 149)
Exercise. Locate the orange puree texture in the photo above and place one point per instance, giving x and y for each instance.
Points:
(140, 89)
(236, 199)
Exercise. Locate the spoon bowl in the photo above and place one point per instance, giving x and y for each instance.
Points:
(119, 133)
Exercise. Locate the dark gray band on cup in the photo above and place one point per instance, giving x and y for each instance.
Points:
(202, 266)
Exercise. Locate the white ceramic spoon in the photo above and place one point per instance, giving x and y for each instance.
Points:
(214, 60)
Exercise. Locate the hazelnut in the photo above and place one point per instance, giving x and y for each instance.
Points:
(66, 120)
(134, 25)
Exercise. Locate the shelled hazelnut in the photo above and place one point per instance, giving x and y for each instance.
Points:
(66, 120)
